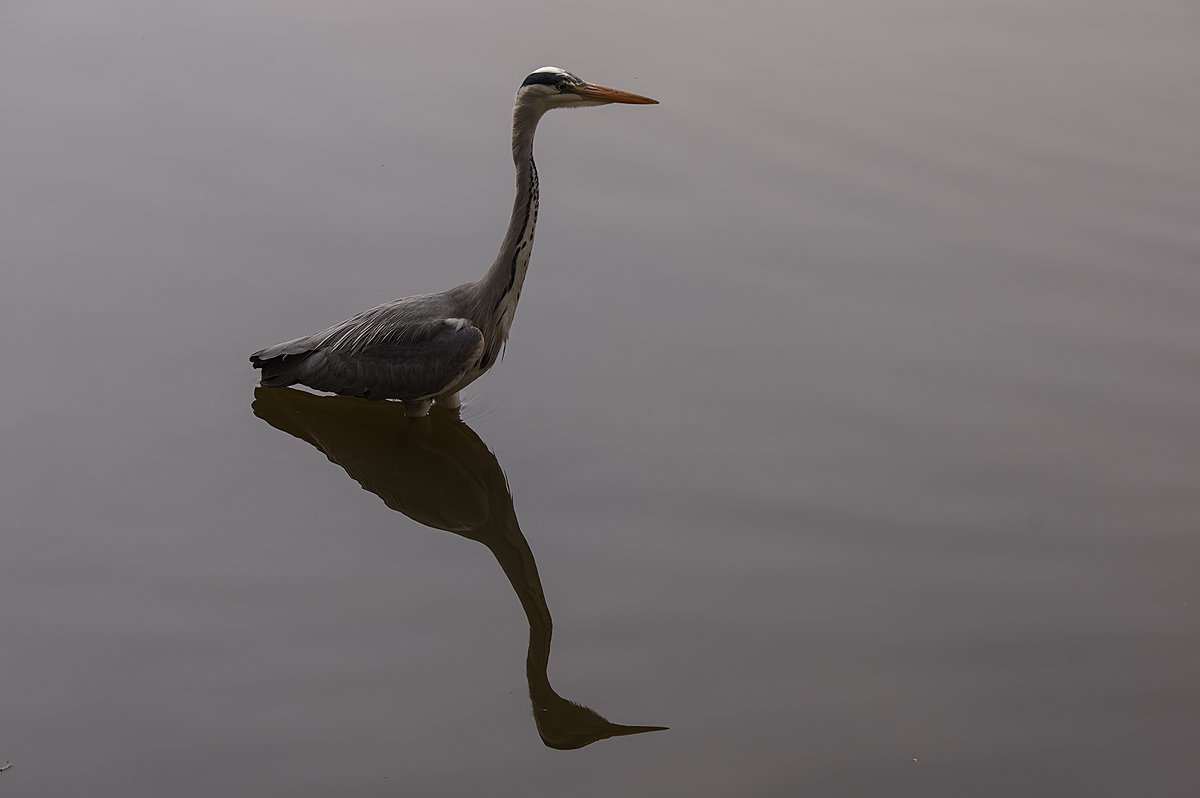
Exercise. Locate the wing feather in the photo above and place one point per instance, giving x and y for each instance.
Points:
(382, 353)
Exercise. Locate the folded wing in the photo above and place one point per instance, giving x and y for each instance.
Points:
(377, 355)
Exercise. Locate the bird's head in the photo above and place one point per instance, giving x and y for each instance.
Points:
(552, 87)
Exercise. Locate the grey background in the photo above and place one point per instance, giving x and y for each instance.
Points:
(850, 411)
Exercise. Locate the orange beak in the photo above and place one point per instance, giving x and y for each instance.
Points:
(604, 94)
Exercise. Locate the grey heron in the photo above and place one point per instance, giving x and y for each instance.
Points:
(427, 348)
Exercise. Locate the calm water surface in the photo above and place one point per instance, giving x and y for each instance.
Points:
(850, 425)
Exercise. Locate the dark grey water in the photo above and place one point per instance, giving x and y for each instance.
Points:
(850, 423)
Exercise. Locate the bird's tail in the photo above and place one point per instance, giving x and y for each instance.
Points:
(281, 363)
(280, 367)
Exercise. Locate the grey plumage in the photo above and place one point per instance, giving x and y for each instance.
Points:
(429, 347)
(410, 349)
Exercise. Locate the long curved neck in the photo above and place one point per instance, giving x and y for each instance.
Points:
(500, 288)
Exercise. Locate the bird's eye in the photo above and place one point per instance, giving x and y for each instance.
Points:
(563, 87)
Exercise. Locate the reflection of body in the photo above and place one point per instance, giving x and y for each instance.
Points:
(439, 473)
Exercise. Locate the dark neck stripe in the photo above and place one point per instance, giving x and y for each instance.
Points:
(531, 209)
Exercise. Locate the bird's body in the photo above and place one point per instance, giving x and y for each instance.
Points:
(429, 347)
(414, 349)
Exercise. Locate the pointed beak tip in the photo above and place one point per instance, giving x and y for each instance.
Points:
(638, 99)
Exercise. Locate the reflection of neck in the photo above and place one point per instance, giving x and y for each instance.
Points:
(561, 723)
(512, 552)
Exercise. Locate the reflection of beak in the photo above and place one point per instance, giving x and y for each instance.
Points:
(620, 731)
(604, 94)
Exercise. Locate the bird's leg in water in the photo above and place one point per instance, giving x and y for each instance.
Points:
(417, 409)
(450, 401)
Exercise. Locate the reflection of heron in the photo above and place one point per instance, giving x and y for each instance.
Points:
(428, 347)
(440, 474)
